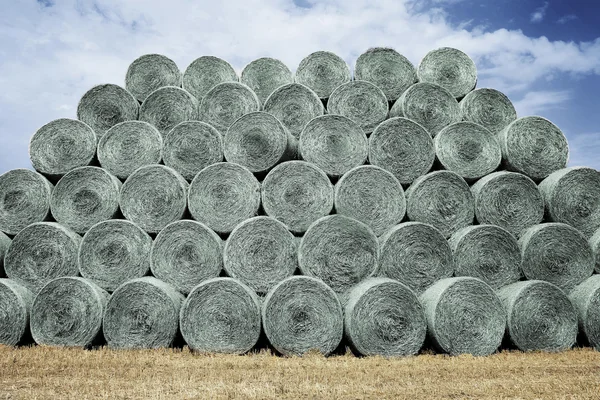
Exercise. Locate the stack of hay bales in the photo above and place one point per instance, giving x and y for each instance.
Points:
(390, 210)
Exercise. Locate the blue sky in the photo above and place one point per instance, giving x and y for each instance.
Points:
(544, 55)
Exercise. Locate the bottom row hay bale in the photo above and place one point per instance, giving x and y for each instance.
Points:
(586, 299)
(15, 308)
(221, 315)
(4, 245)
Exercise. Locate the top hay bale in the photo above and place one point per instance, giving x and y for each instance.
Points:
(451, 69)
(323, 71)
(264, 75)
(206, 72)
(150, 72)
(225, 103)
(168, 106)
(488, 108)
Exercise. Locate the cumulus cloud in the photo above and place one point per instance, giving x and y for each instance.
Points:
(535, 102)
(539, 14)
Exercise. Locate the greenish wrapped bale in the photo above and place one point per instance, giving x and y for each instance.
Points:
(586, 300)
(15, 309)
(488, 108)
(225, 103)
(450, 68)
(206, 72)
(150, 72)
(322, 71)
(264, 75)
(167, 107)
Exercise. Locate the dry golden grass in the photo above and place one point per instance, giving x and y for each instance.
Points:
(50, 373)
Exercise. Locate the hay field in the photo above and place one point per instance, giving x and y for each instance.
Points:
(44, 373)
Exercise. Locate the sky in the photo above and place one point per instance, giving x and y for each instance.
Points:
(544, 55)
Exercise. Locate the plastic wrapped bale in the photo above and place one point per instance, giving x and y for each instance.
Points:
(221, 315)
(15, 308)
(206, 72)
(509, 200)
(534, 147)
(225, 103)
(4, 245)
(339, 250)
(442, 199)
(186, 253)
(594, 244)
(222, 195)
(450, 68)
(540, 316)
(586, 300)
(301, 314)
(113, 252)
(464, 315)
(334, 143)
(142, 313)
(488, 108)
(556, 253)
(415, 254)
(322, 71)
(68, 312)
(264, 75)
(104, 106)
(150, 72)
(168, 106)
(128, 146)
(297, 193)
(153, 197)
(24, 199)
(84, 197)
(260, 252)
(371, 195)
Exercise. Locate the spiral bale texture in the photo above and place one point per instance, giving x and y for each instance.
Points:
(371, 195)
(186, 253)
(206, 72)
(104, 106)
(451, 69)
(384, 317)
(113, 252)
(594, 244)
(153, 197)
(128, 146)
(302, 314)
(68, 312)
(84, 197)
(24, 199)
(225, 103)
(586, 300)
(556, 253)
(334, 143)
(442, 199)
(339, 250)
(222, 195)
(142, 313)
(260, 252)
(221, 315)
(322, 71)
(168, 106)
(264, 75)
(488, 108)
(534, 146)
(4, 245)
(539, 316)
(150, 72)
(15, 308)
(297, 193)
(464, 315)
(509, 200)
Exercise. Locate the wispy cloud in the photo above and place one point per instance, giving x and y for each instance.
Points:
(584, 149)
(567, 18)
(535, 102)
(539, 14)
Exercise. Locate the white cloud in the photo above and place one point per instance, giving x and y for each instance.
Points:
(539, 14)
(584, 149)
(533, 103)
(567, 18)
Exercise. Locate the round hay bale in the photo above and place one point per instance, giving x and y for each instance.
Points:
(41, 252)
(191, 146)
(84, 197)
(4, 245)
(297, 193)
(301, 314)
(128, 146)
(488, 108)
(509, 200)
(451, 69)
(15, 308)
(222, 195)
(68, 312)
(371, 195)
(534, 146)
(468, 149)
(540, 316)
(571, 196)
(258, 141)
(415, 254)
(113, 252)
(586, 300)
(153, 197)
(339, 250)
(61, 146)
(264, 75)
(227, 102)
(142, 313)
(386, 68)
(322, 71)
(487, 252)
(556, 253)
(362, 102)
(260, 252)
(464, 315)
(442, 199)
(24, 199)
(594, 244)
(221, 315)
(206, 72)
(186, 253)
(334, 143)
(429, 105)
(294, 105)
(168, 106)
(104, 106)
(150, 72)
